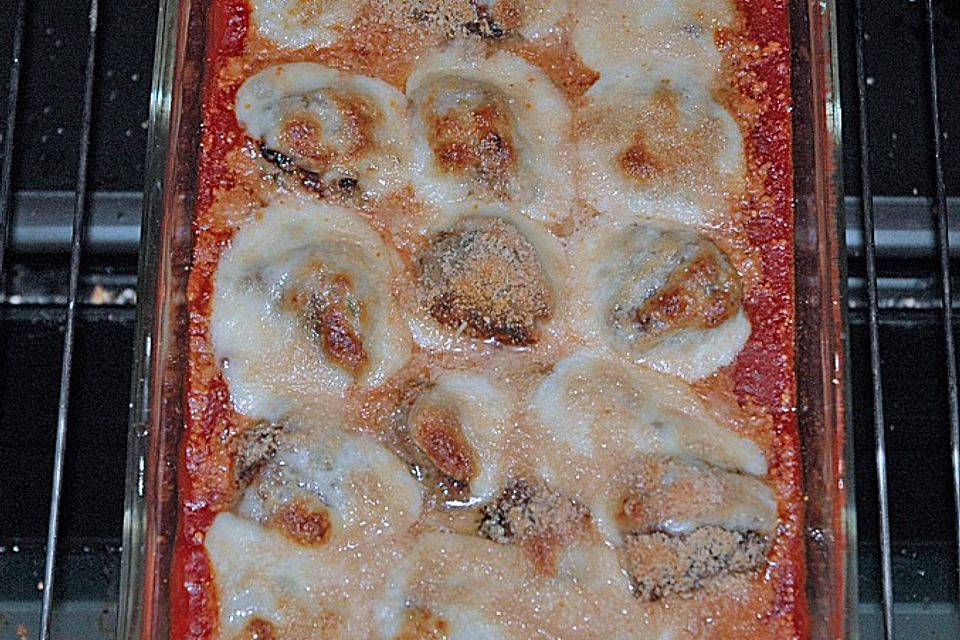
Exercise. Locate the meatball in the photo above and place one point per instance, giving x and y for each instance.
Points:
(484, 278)
(673, 280)
(252, 449)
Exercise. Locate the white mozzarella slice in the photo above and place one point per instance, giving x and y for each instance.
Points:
(695, 353)
(279, 358)
(658, 145)
(334, 124)
(294, 24)
(593, 415)
(623, 264)
(611, 35)
(482, 589)
(490, 129)
(363, 490)
(544, 271)
(262, 578)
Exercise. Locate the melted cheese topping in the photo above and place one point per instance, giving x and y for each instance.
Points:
(490, 129)
(662, 295)
(303, 309)
(361, 488)
(300, 23)
(593, 416)
(613, 35)
(485, 590)
(656, 144)
(334, 125)
(300, 592)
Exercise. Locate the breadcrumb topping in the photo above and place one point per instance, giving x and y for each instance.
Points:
(661, 565)
(538, 519)
(485, 278)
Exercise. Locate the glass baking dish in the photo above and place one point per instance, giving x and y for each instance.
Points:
(151, 511)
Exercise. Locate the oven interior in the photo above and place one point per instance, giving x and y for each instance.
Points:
(59, 99)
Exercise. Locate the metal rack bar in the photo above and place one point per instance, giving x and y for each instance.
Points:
(79, 214)
(873, 321)
(943, 242)
(6, 169)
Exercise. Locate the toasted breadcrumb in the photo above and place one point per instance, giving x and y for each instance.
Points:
(662, 565)
(485, 276)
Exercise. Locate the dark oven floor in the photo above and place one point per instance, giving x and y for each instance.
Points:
(30, 331)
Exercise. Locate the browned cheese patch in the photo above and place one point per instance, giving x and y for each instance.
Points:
(437, 432)
(538, 519)
(421, 624)
(475, 139)
(663, 151)
(303, 523)
(702, 293)
(676, 280)
(661, 565)
(306, 139)
(259, 629)
(485, 278)
(326, 303)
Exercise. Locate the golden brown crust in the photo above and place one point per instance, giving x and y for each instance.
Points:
(437, 432)
(303, 523)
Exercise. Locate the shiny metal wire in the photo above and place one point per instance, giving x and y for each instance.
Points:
(66, 369)
(6, 167)
(943, 243)
(873, 322)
